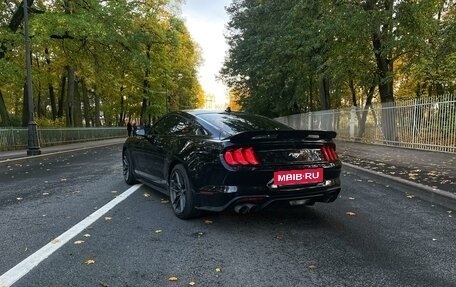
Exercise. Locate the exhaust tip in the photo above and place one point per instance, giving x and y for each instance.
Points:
(244, 208)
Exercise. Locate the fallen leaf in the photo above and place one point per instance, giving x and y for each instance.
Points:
(63, 179)
(208, 221)
(146, 194)
(218, 269)
(55, 241)
(45, 193)
(434, 239)
(107, 218)
(350, 213)
(158, 231)
(173, 278)
(410, 196)
(312, 266)
(191, 283)
(164, 200)
(351, 198)
(79, 241)
(89, 262)
(114, 191)
(86, 235)
(103, 284)
(19, 198)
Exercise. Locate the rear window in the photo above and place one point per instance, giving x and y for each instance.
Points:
(233, 123)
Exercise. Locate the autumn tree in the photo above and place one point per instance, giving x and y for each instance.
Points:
(295, 56)
(98, 62)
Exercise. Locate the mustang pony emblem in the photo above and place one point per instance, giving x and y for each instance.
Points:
(298, 154)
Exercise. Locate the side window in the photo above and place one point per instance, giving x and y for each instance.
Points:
(172, 125)
(198, 130)
(193, 128)
(163, 126)
(177, 125)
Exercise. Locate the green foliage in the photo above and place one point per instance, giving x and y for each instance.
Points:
(121, 50)
(281, 50)
(49, 123)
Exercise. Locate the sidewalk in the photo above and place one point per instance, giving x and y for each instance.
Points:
(432, 169)
(20, 154)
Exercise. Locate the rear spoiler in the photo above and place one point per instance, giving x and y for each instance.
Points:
(249, 136)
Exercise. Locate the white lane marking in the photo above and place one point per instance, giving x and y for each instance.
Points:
(24, 267)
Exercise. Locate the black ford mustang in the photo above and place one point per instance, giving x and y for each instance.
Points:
(206, 160)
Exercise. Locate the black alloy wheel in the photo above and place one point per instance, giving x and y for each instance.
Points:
(181, 193)
(127, 168)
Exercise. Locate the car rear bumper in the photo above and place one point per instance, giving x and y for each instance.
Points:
(219, 198)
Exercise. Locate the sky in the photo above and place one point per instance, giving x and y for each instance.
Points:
(206, 21)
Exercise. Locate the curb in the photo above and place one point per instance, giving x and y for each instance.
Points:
(432, 191)
(101, 144)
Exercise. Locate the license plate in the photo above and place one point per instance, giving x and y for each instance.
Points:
(303, 176)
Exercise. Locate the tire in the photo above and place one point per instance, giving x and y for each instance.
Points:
(127, 168)
(181, 193)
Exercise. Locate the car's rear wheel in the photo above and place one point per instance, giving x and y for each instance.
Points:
(127, 167)
(181, 193)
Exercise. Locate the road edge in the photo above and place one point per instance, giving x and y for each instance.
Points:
(427, 193)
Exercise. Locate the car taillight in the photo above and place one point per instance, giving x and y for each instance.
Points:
(329, 152)
(241, 156)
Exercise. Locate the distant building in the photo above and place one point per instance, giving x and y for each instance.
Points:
(209, 103)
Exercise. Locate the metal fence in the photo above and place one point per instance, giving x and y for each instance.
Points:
(16, 138)
(425, 123)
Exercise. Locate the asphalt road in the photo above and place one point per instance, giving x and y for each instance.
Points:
(377, 233)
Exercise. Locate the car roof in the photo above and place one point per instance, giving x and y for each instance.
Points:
(200, 112)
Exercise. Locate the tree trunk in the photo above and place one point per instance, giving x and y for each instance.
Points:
(50, 86)
(121, 121)
(351, 84)
(25, 108)
(39, 103)
(61, 111)
(77, 106)
(70, 97)
(145, 101)
(362, 120)
(323, 88)
(97, 120)
(85, 104)
(383, 58)
(6, 121)
(52, 99)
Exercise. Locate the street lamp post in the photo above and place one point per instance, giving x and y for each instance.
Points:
(33, 145)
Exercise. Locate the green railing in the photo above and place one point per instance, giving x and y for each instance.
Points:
(16, 138)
